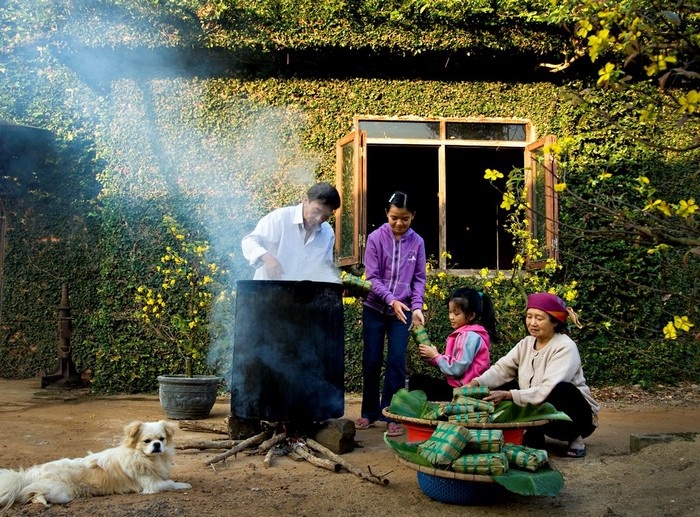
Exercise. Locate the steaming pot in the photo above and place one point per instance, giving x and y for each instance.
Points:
(288, 351)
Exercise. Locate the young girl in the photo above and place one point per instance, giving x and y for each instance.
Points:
(467, 349)
(395, 265)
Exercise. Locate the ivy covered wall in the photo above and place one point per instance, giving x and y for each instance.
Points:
(171, 107)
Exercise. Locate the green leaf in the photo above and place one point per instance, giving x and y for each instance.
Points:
(409, 403)
(409, 452)
(508, 411)
(546, 481)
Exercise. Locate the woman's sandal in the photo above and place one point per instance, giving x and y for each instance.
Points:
(393, 429)
(363, 423)
(576, 452)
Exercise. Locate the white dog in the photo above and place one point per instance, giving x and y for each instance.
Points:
(141, 463)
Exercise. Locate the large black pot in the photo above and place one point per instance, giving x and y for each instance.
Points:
(288, 351)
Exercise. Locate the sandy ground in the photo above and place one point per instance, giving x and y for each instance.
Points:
(41, 425)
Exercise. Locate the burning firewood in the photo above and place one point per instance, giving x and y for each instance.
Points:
(249, 442)
(269, 444)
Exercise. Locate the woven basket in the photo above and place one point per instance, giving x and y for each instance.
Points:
(455, 488)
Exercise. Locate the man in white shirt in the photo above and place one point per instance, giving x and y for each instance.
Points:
(296, 242)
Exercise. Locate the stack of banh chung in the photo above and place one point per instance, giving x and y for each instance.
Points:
(474, 451)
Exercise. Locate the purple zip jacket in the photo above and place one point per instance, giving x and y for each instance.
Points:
(396, 269)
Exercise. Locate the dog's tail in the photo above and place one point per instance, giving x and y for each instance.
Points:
(11, 484)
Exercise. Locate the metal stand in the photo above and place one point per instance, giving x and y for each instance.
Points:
(66, 375)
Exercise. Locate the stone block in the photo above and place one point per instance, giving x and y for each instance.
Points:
(640, 440)
(337, 435)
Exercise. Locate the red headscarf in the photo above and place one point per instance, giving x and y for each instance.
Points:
(549, 303)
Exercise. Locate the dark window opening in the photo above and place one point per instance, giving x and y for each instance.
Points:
(411, 169)
(476, 232)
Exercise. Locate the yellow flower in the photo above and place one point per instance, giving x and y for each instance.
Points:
(686, 208)
(598, 42)
(682, 323)
(560, 187)
(492, 174)
(689, 103)
(508, 201)
(670, 331)
(606, 74)
(583, 28)
(658, 64)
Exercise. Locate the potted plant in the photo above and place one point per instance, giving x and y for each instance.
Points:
(174, 307)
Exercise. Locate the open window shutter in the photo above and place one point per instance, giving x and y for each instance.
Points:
(351, 221)
(540, 179)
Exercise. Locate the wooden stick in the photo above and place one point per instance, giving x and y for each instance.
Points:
(269, 444)
(305, 453)
(203, 427)
(208, 444)
(268, 457)
(249, 442)
(380, 480)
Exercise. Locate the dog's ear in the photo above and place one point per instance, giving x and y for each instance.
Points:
(169, 428)
(132, 433)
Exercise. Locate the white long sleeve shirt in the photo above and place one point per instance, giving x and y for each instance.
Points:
(281, 233)
(538, 371)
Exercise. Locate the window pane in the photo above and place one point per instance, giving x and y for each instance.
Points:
(347, 207)
(485, 131)
(539, 205)
(400, 129)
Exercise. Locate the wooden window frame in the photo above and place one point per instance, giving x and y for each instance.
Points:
(358, 141)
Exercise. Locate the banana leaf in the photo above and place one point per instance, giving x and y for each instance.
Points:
(409, 452)
(507, 411)
(409, 403)
(545, 482)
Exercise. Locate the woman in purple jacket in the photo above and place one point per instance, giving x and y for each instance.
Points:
(395, 264)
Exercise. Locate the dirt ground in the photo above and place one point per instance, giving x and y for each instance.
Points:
(39, 425)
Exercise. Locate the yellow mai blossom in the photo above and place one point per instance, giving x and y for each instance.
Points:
(492, 174)
(658, 249)
(484, 272)
(570, 295)
(508, 201)
(659, 205)
(598, 43)
(583, 27)
(176, 310)
(560, 187)
(606, 74)
(690, 102)
(670, 331)
(658, 64)
(686, 208)
(682, 323)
